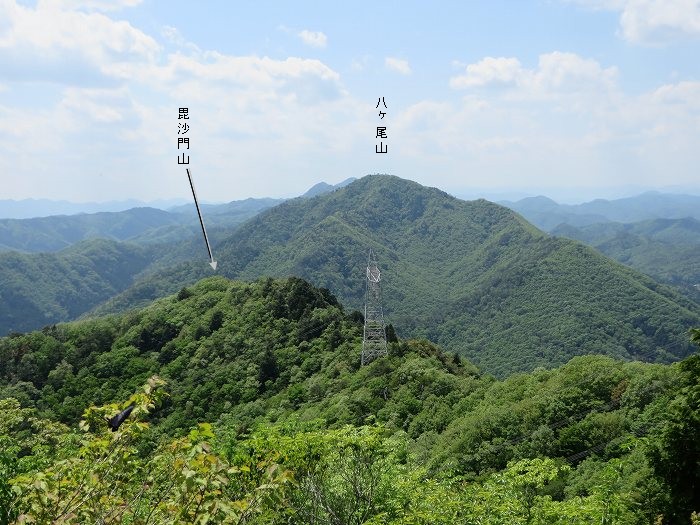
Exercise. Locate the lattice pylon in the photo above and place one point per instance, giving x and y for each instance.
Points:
(374, 340)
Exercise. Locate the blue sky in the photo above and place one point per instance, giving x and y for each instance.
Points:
(571, 98)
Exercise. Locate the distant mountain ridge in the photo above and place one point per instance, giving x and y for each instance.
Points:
(39, 288)
(548, 214)
(139, 224)
(472, 276)
(323, 187)
(32, 208)
(249, 205)
(666, 249)
(55, 233)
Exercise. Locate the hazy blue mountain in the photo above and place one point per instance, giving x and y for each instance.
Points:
(30, 208)
(50, 234)
(141, 225)
(547, 214)
(245, 207)
(324, 187)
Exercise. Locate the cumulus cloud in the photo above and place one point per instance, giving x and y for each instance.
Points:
(313, 38)
(489, 70)
(653, 21)
(95, 106)
(571, 72)
(556, 72)
(50, 37)
(565, 118)
(397, 65)
(112, 93)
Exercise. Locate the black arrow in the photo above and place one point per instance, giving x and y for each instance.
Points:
(212, 262)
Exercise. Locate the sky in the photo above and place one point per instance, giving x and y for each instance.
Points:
(573, 99)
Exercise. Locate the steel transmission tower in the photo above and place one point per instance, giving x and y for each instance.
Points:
(374, 341)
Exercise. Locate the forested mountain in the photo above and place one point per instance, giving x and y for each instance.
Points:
(547, 214)
(38, 289)
(303, 434)
(50, 234)
(41, 289)
(239, 210)
(666, 249)
(472, 276)
(138, 225)
(323, 187)
(32, 208)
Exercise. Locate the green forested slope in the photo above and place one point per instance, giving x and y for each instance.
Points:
(275, 365)
(50, 234)
(473, 276)
(167, 239)
(666, 249)
(41, 289)
(138, 225)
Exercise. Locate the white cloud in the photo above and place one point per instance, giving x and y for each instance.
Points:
(173, 36)
(556, 72)
(488, 71)
(653, 21)
(565, 119)
(248, 112)
(656, 21)
(570, 72)
(681, 93)
(43, 42)
(397, 65)
(269, 126)
(95, 106)
(313, 38)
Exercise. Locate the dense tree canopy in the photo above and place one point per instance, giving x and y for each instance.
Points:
(251, 407)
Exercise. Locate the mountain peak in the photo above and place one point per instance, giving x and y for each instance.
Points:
(322, 188)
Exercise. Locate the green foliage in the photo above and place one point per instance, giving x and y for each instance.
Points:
(471, 276)
(100, 256)
(219, 344)
(107, 481)
(301, 433)
(676, 453)
(27, 444)
(340, 476)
